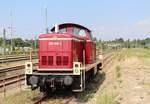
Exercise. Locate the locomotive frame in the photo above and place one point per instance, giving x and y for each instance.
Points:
(81, 67)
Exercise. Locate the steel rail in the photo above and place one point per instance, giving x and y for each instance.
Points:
(4, 70)
(39, 101)
(5, 81)
(13, 59)
(11, 80)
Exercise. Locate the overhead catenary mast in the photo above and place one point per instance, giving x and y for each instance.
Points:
(4, 41)
(46, 27)
(11, 30)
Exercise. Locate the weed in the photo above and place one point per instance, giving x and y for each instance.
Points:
(18, 98)
(91, 88)
(147, 84)
(139, 52)
(118, 73)
(120, 81)
(115, 87)
(106, 98)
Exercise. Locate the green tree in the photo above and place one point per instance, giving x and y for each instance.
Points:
(1, 41)
(18, 42)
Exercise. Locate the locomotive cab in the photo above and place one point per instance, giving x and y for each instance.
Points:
(86, 34)
(59, 49)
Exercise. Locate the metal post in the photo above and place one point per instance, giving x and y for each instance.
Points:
(46, 28)
(4, 43)
(81, 80)
(4, 87)
(84, 68)
(30, 55)
(11, 26)
(4, 40)
(19, 79)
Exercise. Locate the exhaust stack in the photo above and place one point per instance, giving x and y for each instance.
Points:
(56, 28)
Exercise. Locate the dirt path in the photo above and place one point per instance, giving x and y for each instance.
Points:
(135, 86)
(127, 80)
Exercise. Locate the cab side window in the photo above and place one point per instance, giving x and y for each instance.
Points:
(63, 30)
(91, 37)
(82, 32)
(75, 31)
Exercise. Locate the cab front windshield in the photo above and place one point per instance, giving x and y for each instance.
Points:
(75, 31)
(80, 32)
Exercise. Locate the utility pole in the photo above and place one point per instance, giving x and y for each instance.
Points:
(11, 30)
(4, 41)
(46, 27)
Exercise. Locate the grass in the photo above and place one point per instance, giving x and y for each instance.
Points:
(109, 97)
(147, 84)
(23, 97)
(106, 97)
(121, 55)
(131, 52)
(2, 75)
(139, 52)
(118, 73)
(91, 89)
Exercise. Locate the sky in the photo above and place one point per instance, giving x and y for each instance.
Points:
(108, 19)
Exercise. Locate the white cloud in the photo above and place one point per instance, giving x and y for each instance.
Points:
(143, 26)
(143, 23)
(139, 29)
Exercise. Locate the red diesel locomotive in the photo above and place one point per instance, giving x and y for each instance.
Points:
(67, 58)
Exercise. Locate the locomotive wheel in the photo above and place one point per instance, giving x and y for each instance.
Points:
(91, 74)
(48, 90)
(99, 66)
(42, 85)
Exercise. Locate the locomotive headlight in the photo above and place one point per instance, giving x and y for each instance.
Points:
(28, 68)
(33, 80)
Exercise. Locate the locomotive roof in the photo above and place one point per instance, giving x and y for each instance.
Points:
(71, 25)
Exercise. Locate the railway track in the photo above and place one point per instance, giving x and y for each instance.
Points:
(16, 78)
(41, 100)
(107, 58)
(11, 80)
(4, 70)
(13, 59)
